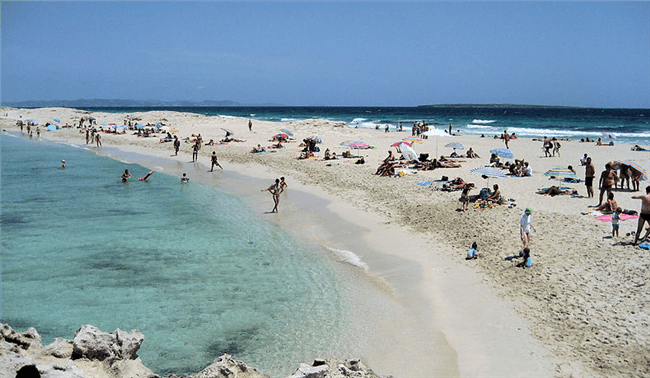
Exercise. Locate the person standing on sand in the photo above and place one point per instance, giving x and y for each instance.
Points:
(250, 125)
(450, 128)
(177, 145)
(283, 184)
(644, 215)
(195, 152)
(215, 161)
(98, 140)
(590, 173)
(525, 225)
(607, 179)
(275, 190)
(506, 137)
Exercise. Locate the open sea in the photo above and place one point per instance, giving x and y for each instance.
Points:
(193, 268)
(626, 125)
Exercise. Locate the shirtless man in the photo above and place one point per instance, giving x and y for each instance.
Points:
(607, 179)
(590, 173)
(177, 145)
(644, 214)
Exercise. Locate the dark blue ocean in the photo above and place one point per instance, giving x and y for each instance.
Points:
(626, 125)
(192, 267)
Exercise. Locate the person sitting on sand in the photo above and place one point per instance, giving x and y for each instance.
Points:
(554, 191)
(599, 142)
(472, 253)
(388, 168)
(471, 154)
(257, 149)
(495, 197)
(638, 148)
(609, 206)
(306, 155)
(494, 161)
(390, 157)
(527, 170)
(333, 157)
(328, 156)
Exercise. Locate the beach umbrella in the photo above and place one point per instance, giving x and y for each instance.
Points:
(455, 145)
(228, 131)
(408, 152)
(487, 172)
(359, 145)
(560, 172)
(413, 139)
(503, 152)
(51, 128)
(278, 136)
(634, 166)
(396, 144)
(287, 131)
(315, 139)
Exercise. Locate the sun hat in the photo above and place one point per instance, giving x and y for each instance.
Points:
(528, 210)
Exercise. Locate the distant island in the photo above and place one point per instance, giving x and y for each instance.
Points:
(119, 103)
(500, 106)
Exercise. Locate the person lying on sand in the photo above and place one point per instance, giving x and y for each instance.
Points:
(554, 191)
(455, 184)
(257, 149)
(388, 168)
(278, 145)
(306, 155)
(444, 164)
(638, 148)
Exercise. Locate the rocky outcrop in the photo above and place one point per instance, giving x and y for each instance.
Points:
(96, 354)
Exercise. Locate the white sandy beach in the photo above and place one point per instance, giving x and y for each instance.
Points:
(580, 310)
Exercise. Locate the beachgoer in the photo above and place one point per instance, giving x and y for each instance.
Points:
(616, 220)
(599, 142)
(607, 179)
(625, 175)
(464, 196)
(283, 184)
(126, 175)
(450, 129)
(547, 147)
(525, 226)
(177, 145)
(636, 176)
(556, 147)
(635, 148)
(554, 191)
(527, 170)
(472, 253)
(590, 173)
(495, 197)
(250, 125)
(390, 157)
(275, 190)
(506, 137)
(38, 132)
(98, 140)
(87, 135)
(527, 263)
(215, 161)
(609, 206)
(185, 178)
(644, 214)
(146, 176)
(572, 169)
(583, 161)
(63, 164)
(195, 151)
(386, 128)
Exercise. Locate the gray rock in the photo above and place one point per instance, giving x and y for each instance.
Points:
(129, 343)
(60, 348)
(226, 367)
(24, 340)
(91, 343)
(307, 371)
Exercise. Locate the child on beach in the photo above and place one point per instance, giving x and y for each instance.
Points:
(472, 253)
(616, 220)
(525, 226)
(464, 196)
(527, 263)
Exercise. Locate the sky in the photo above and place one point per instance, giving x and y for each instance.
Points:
(594, 54)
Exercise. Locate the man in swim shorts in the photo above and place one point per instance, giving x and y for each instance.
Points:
(215, 161)
(590, 173)
(644, 215)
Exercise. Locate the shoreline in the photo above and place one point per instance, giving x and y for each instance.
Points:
(473, 302)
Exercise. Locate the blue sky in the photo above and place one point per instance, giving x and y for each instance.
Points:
(298, 53)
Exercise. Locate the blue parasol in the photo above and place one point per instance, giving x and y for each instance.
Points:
(503, 152)
(455, 145)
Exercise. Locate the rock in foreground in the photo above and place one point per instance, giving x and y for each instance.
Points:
(96, 354)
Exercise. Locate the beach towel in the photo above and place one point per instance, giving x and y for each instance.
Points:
(608, 217)
(645, 246)
(560, 187)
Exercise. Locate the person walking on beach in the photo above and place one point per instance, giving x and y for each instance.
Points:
(250, 125)
(38, 132)
(177, 145)
(556, 147)
(506, 137)
(275, 190)
(607, 179)
(525, 226)
(214, 161)
(126, 175)
(87, 135)
(590, 173)
(644, 215)
(98, 139)
(195, 152)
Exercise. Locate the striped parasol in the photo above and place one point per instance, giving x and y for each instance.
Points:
(634, 166)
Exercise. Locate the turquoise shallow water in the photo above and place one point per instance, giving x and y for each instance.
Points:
(191, 267)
